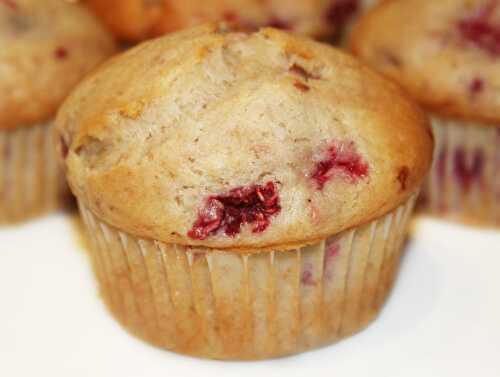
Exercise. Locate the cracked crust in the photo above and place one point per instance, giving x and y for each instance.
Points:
(439, 51)
(47, 46)
(159, 129)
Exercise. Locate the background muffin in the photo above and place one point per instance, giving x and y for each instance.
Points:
(47, 47)
(247, 194)
(136, 20)
(446, 54)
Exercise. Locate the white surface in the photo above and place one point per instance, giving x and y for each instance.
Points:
(443, 318)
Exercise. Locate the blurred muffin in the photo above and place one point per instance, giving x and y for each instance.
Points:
(47, 46)
(136, 20)
(247, 194)
(446, 54)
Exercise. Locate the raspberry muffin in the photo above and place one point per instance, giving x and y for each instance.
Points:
(447, 55)
(247, 194)
(136, 20)
(47, 47)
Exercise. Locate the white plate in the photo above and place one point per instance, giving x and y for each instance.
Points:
(443, 318)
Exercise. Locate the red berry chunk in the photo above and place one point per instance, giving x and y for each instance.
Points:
(480, 31)
(341, 159)
(253, 205)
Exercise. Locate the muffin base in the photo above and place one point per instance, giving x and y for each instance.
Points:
(31, 182)
(464, 182)
(228, 305)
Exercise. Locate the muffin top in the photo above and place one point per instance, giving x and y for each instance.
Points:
(47, 46)
(446, 53)
(240, 141)
(136, 20)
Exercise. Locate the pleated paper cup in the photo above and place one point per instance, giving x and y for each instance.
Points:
(464, 182)
(31, 182)
(229, 305)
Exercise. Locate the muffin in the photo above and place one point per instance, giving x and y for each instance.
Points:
(136, 20)
(446, 54)
(47, 47)
(247, 195)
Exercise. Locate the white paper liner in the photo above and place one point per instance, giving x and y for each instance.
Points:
(473, 197)
(31, 183)
(228, 305)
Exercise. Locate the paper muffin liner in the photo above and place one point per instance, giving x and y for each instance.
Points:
(464, 182)
(229, 305)
(31, 183)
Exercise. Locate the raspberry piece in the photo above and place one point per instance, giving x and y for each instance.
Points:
(341, 159)
(480, 31)
(253, 205)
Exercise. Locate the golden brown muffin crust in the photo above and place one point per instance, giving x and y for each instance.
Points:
(162, 136)
(46, 48)
(446, 53)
